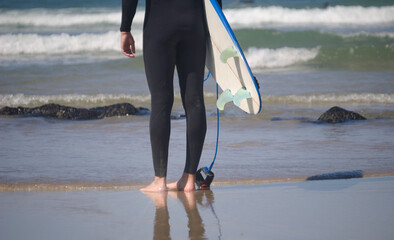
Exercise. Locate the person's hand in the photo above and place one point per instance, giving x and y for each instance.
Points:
(127, 44)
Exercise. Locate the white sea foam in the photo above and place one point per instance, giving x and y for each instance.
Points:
(244, 17)
(84, 100)
(19, 44)
(352, 15)
(282, 57)
(64, 17)
(14, 100)
(368, 34)
(33, 43)
(332, 98)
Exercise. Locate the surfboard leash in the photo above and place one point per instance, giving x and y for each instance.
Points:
(205, 183)
(209, 74)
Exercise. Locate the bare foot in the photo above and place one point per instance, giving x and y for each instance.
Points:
(186, 183)
(172, 186)
(158, 185)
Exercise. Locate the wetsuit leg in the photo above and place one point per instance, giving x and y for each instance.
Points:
(190, 64)
(174, 35)
(159, 67)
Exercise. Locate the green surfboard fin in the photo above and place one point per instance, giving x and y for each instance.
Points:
(227, 97)
(228, 53)
(224, 98)
(241, 94)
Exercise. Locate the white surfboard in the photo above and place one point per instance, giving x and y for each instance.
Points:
(227, 63)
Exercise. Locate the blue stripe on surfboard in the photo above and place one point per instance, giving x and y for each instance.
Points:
(219, 11)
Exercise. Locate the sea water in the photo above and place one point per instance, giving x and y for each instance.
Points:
(307, 56)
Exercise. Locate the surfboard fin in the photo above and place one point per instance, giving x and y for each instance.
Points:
(227, 97)
(228, 53)
(241, 94)
(224, 98)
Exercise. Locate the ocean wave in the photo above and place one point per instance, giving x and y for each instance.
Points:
(368, 34)
(357, 51)
(33, 43)
(360, 57)
(357, 99)
(270, 38)
(84, 100)
(282, 57)
(21, 61)
(19, 44)
(77, 100)
(240, 17)
(63, 17)
(352, 15)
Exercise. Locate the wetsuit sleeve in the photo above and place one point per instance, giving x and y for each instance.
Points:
(129, 8)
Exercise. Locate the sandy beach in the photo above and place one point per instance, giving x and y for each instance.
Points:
(330, 209)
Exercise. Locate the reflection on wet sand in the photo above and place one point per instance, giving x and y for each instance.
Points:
(161, 228)
(189, 201)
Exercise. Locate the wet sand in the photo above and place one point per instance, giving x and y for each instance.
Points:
(331, 209)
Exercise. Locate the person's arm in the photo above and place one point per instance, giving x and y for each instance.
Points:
(129, 8)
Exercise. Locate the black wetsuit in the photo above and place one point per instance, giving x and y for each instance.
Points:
(174, 36)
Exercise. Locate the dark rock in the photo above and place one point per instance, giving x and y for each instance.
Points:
(120, 109)
(72, 113)
(12, 111)
(337, 175)
(338, 115)
(65, 112)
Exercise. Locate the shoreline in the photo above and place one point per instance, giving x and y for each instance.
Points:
(340, 209)
(91, 186)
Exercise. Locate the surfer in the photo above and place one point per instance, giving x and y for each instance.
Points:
(174, 36)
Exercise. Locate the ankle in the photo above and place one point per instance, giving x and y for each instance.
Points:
(160, 180)
(188, 181)
(188, 177)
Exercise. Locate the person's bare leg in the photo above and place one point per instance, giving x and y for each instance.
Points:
(186, 183)
(158, 185)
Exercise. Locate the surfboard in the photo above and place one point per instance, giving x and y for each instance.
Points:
(227, 63)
